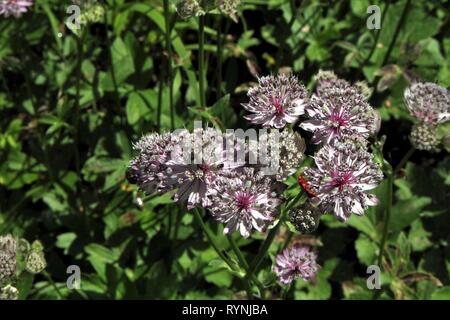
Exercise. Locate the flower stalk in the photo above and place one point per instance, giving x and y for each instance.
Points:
(169, 62)
(201, 61)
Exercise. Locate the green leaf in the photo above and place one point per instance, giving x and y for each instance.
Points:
(136, 108)
(366, 250)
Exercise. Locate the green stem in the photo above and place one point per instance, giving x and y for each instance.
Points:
(219, 57)
(158, 111)
(169, 62)
(53, 284)
(389, 196)
(287, 290)
(111, 62)
(201, 60)
(405, 159)
(243, 262)
(397, 31)
(288, 240)
(268, 241)
(210, 238)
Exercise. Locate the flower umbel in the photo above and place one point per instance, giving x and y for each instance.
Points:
(189, 8)
(229, 8)
(428, 103)
(14, 7)
(8, 247)
(276, 101)
(424, 137)
(344, 174)
(296, 262)
(245, 200)
(154, 152)
(188, 162)
(283, 154)
(338, 113)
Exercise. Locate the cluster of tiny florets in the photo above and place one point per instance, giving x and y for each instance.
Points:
(294, 263)
(343, 174)
(423, 137)
(198, 168)
(189, 8)
(339, 112)
(193, 8)
(276, 101)
(8, 247)
(305, 218)
(285, 153)
(429, 104)
(245, 200)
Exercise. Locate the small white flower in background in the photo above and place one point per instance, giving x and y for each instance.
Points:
(14, 7)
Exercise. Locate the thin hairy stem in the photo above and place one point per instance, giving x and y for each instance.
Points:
(169, 62)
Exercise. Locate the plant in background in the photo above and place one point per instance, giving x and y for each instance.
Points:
(329, 149)
(14, 7)
(17, 258)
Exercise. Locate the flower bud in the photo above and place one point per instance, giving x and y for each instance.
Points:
(35, 262)
(423, 137)
(8, 261)
(305, 218)
(9, 293)
(189, 8)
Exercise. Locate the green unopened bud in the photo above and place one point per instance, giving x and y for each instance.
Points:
(9, 293)
(23, 246)
(37, 246)
(423, 137)
(8, 244)
(92, 14)
(35, 262)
